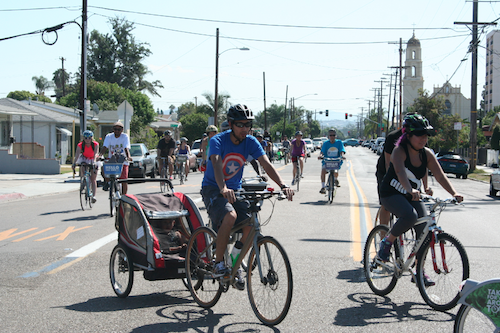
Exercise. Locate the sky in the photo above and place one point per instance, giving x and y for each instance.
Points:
(328, 55)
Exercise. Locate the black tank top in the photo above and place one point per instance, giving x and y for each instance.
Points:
(390, 183)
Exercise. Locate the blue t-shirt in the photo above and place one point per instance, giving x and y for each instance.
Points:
(233, 158)
(332, 149)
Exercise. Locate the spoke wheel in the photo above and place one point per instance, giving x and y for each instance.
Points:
(83, 192)
(89, 194)
(331, 187)
(163, 185)
(380, 276)
(271, 297)
(444, 295)
(113, 200)
(471, 320)
(121, 271)
(200, 259)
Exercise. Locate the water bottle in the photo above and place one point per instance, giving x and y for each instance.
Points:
(235, 253)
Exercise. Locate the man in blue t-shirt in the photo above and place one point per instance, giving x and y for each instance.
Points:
(332, 148)
(227, 155)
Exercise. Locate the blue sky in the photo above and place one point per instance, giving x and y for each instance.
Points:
(329, 52)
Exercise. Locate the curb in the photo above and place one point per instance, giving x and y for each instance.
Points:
(11, 196)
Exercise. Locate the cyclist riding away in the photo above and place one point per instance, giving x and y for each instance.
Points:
(87, 152)
(205, 144)
(118, 142)
(409, 163)
(331, 148)
(165, 148)
(298, 153)
(184, 150)
(228, 153)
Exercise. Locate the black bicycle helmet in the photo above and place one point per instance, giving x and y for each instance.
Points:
(239, 112)
(417, 123)
(298, 133)
(224, 126)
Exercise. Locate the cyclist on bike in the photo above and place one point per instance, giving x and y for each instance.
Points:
(184, 149)
(269, 150)
(165, 148)
(298, 153)
(205, 144)
(87, 152)
(332, 148)
(286, 146)
(118, 142)
(228, 153)
(409, 163)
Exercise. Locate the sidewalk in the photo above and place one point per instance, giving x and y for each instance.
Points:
(19, 186)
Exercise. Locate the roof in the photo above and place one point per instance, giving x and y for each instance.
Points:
(413, 41)
(39, 113)
(8, 108)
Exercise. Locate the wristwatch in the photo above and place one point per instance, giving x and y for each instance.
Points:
(283, 186)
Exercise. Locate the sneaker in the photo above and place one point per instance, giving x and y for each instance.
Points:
(337, 183)
(301, 176)
(384, 252)
(322, 191)
(105, 187)
(171, 178)
(221, 270)
(94, 199)
(239, 282)
(427, 280)
(293, 182)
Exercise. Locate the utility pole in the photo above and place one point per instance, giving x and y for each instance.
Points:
(63, 79)
(265, 112)
(473, 94)
(83, 83)
(284, 117)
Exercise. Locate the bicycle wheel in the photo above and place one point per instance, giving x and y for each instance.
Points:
(88, 193)
(83, 192)
(450, 269)
(297, 174)
(200, 259)
(331, 187)
(181, 174)
(113, 188)
(471, 320)
(270, 297)
(380, 276)
(121, 271)
(163, 174)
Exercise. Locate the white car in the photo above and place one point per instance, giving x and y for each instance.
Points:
(309, 146)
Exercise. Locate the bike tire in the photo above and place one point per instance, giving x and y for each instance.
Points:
(121, 271)
(200, 260)
(444, 295)
(163, 185)
(471, 320)
(297, 175)
(331, 187)
(270, 299)
(113, 188)
(88, 193)
(381, 277)
(83, 191)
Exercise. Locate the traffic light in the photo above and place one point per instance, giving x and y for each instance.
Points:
(326, 113)
(346, 115)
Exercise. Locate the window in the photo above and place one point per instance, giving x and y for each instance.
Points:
(413, 71)
(413, 54)
(448, 107)
(447, 89)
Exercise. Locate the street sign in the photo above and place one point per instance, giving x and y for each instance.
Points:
(457, 126)
(125, 112)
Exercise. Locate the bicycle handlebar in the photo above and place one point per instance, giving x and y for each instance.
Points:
(258, 195)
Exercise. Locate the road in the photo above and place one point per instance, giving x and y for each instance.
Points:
(49, 286)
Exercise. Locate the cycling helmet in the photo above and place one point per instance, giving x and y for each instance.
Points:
(258, 135)
(417, 123)
(167, 132)
(177, 142)
(88, 134)
(239, 112)
(224, 126)
(211, 128)
(184, 139)
(298, 133)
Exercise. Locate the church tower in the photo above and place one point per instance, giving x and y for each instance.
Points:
(413, 79)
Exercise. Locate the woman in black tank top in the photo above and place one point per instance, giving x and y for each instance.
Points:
(400, 189)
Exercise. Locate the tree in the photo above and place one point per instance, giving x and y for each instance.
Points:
(22, 95)
(61, 79)
(194, 125)
(495, 137)
(223, 103)
(116, 58)
(41, 84)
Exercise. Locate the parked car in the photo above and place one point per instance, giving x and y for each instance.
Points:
(195, 150)
(351, 142)
(366, 143)
(317, 142)
(380, 148)
(143, 162)
(494, 183)
(453, 163)
(377, 142)
(309, 146)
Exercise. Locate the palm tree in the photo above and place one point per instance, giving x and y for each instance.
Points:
(41, 84)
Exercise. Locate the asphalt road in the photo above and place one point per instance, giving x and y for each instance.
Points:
(44, 290)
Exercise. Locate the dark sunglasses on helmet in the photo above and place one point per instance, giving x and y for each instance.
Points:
(241, 125)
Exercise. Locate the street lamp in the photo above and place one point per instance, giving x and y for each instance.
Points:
(217, 54)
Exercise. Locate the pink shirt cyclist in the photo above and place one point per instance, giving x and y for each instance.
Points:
(298, 147)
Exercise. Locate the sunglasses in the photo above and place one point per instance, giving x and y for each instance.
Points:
(117, 129)
(333, 134)
(241, 125)
(88, 138)
(420, 133)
